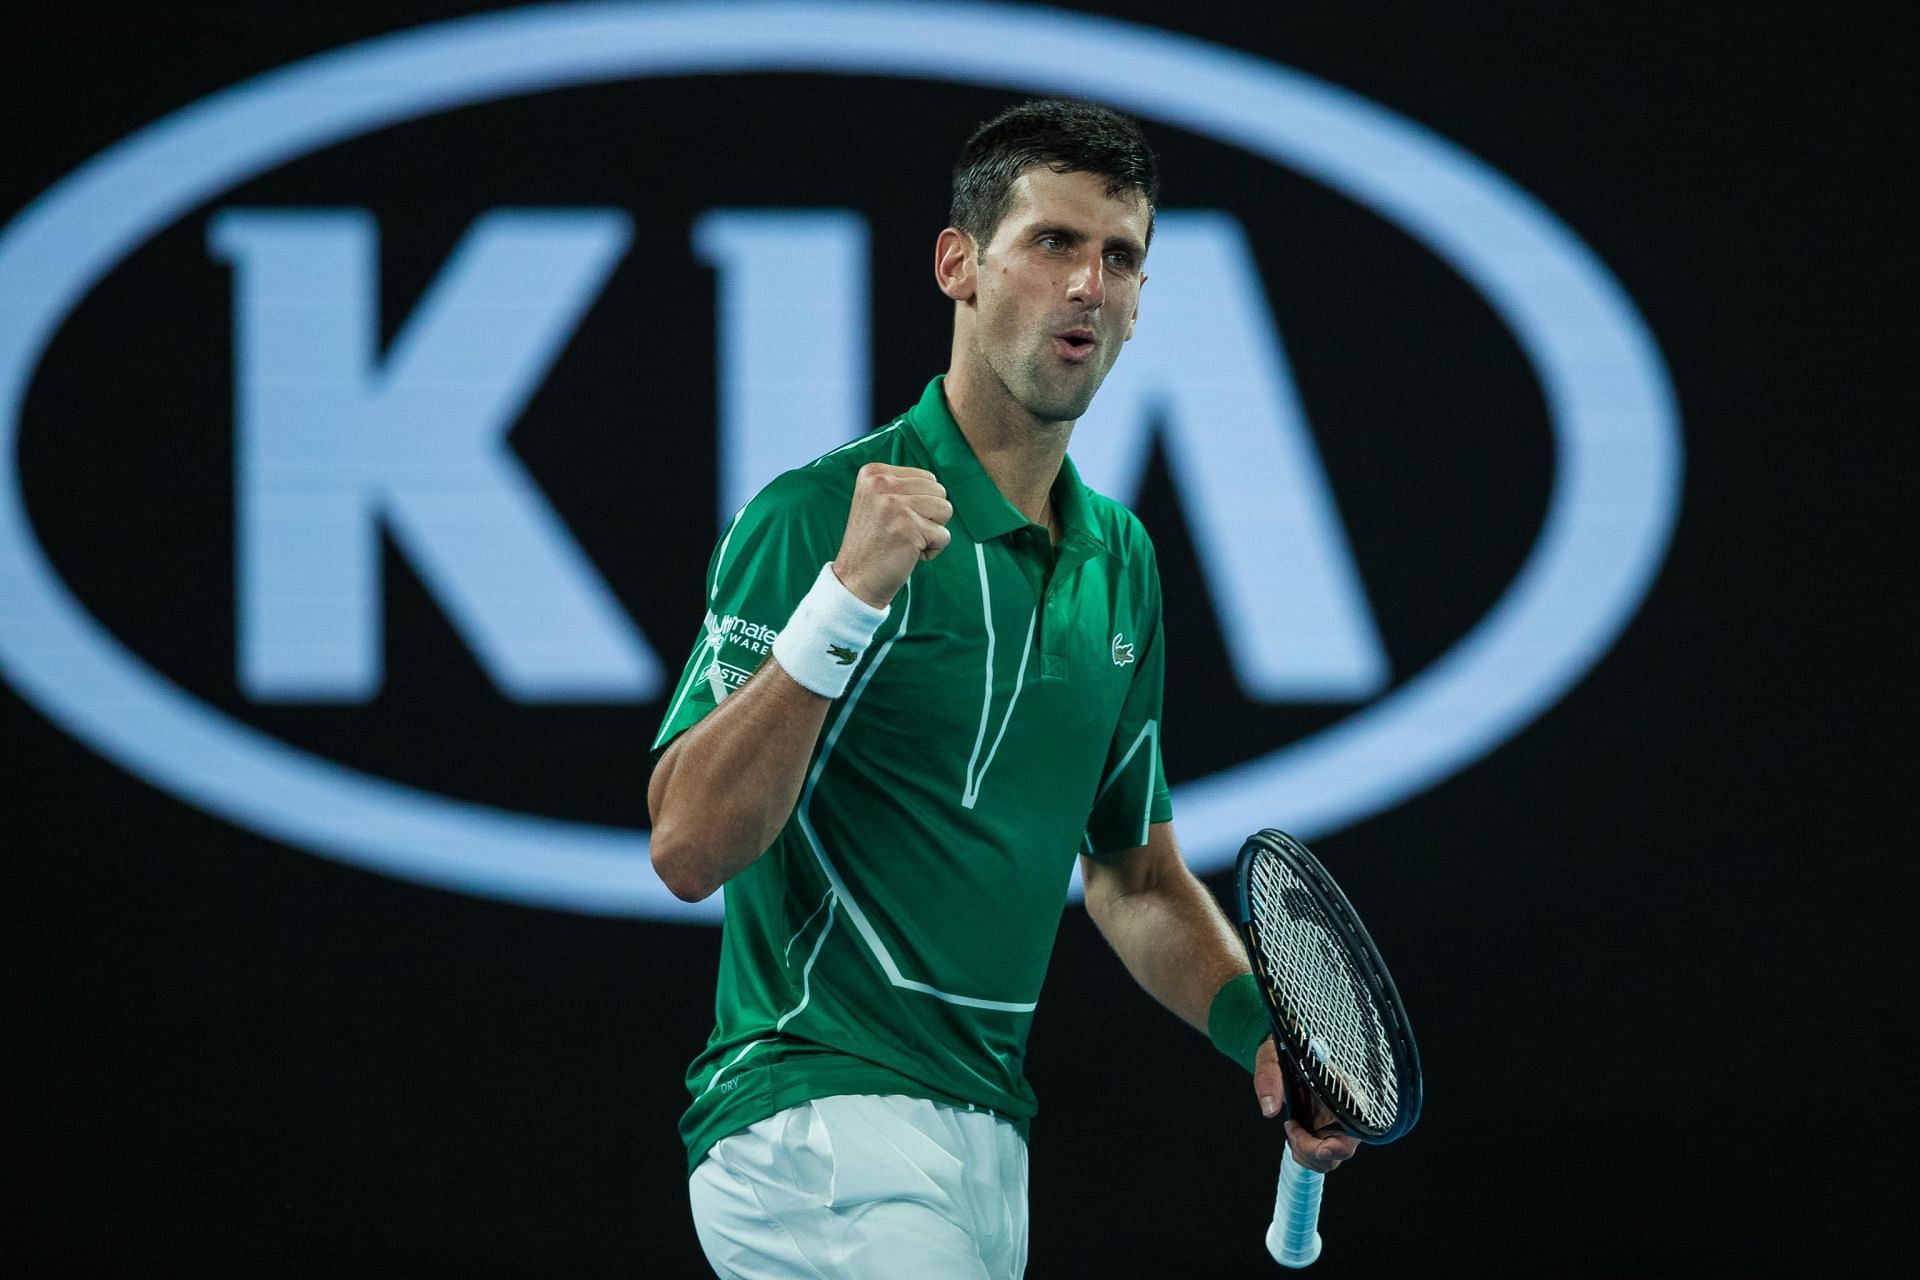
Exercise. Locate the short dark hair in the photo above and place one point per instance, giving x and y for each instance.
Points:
(1066, 135)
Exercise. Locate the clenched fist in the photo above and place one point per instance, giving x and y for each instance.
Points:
(899, 518)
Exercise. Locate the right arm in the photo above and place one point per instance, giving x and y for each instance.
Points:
(726, 786)
(707, 826)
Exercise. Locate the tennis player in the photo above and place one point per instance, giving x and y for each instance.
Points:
(929, 678)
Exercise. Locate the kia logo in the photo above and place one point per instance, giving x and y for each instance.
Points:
(1609, 515)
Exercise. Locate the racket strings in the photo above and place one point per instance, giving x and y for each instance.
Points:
(1324, 999)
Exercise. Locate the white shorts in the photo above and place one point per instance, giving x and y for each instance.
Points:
(865, 1188)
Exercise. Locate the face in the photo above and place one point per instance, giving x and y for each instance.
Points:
(1056, 291)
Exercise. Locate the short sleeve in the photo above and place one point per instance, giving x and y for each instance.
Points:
(765, 562)
(1133, 787)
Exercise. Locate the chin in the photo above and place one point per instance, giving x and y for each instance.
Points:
(1058, 412)
(1068, 408)
(1047, 399)
(1063, 405)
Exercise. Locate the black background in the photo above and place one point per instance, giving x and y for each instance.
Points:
(1648, 944)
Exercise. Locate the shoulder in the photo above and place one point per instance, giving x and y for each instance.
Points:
(823, 488)
(889, 443)
(1123, 532)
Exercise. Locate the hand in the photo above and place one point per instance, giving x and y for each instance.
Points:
(1317, 1144)
(898, 518)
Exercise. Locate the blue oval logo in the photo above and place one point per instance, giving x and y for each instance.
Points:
(1609, 517)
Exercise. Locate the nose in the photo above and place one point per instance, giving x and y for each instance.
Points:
(1087, 286)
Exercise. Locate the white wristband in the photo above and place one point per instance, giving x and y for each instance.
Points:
(821, 645)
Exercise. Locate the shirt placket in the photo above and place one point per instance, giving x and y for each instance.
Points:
(1048, 572)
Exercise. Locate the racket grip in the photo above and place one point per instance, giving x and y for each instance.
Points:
(1294, 1237)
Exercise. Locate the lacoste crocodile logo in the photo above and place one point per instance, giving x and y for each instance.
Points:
(1122, 653)
(845, 656)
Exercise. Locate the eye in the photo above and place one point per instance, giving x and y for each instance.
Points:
(1053, 242)
(1121, 258)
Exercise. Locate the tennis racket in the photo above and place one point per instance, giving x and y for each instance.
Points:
(1337, 1019)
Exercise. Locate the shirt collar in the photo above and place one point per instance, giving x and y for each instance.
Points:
(983, 511)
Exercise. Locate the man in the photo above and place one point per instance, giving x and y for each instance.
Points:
(931, 675)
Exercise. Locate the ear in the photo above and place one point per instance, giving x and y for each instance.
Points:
(954, 264)
(1135, 317)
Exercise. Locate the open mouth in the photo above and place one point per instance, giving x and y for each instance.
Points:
(1075, 344)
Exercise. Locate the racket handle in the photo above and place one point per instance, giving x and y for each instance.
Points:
(1294, 1237)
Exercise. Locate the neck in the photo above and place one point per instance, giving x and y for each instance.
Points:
(1020, 454)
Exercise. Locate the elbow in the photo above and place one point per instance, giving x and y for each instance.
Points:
(678, 867)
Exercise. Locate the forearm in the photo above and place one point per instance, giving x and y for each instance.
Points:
(1166, 928)
(723, 790)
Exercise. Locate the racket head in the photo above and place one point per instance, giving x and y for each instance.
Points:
(1335, 1011)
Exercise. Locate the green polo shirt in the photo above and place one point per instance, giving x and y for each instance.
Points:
(894, 937)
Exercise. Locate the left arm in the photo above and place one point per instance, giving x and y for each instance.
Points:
(1177, 943)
